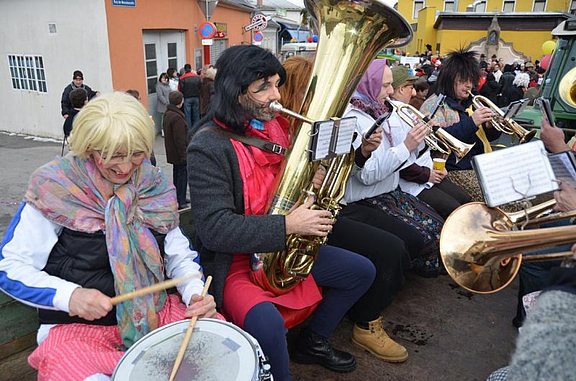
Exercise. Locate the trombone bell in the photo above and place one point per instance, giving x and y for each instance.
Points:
(482, 253)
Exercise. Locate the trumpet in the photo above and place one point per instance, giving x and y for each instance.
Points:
(498, 122)
(437, 139)
(487, 254)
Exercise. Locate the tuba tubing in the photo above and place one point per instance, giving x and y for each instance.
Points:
(351, 33)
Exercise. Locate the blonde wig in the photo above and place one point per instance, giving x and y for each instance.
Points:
(112, 123)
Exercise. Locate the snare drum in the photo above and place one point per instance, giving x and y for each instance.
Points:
(217, 351)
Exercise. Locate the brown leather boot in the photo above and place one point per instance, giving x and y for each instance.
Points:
(376, 341)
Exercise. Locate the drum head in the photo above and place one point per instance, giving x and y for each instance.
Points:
(217, 351)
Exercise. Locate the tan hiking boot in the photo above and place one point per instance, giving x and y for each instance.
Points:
(376, 341)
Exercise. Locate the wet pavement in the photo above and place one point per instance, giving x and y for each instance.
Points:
(450, 333)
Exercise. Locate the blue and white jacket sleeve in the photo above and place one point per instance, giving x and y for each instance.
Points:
(24, 252)
(182, 261)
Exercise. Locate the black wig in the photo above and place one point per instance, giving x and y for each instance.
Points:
(460, 65)
(237, 68)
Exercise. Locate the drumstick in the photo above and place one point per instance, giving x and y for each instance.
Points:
(188, 334)
(147, 290)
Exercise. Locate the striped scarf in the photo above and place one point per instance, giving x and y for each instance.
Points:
(72, 193)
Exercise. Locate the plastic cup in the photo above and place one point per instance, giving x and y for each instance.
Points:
(438, 164)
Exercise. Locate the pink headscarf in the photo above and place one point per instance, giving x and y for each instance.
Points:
(371, 82)
(367, 94)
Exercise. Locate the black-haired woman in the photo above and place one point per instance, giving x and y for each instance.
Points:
(459, 75)
(231, 183)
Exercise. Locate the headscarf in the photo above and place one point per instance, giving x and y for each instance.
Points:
(366, 96)
(71, 192)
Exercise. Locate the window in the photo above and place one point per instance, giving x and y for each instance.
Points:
(539, 6)
(172, 55)
(508, 5)
(151, 67)
(418, 4)
(480, 6)
(449, 6)
(27, 73)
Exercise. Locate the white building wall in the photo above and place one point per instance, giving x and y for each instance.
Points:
(80, 43)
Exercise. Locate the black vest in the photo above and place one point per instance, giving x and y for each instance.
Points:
(82, 258)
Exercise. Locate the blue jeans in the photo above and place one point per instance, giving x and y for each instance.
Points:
(191, 111)
(344, 277)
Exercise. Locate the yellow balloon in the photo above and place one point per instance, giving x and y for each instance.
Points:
(548, 47)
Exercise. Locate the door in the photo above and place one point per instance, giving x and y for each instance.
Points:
(163, 49)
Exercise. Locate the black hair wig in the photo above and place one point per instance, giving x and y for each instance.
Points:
(237, 68)
(460, 65)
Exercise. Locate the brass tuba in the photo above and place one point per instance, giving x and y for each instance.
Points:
(505, 125)
(439, 139)
(481, 247)
(351, 33)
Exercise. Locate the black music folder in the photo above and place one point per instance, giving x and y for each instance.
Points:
(520, 172)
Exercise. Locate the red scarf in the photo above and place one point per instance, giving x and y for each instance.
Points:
(259, 170)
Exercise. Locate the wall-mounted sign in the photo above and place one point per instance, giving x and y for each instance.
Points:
(207, 30)
(259, 22)
(124, 3)
(257, 38)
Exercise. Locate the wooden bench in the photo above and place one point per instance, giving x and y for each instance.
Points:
(18, 328)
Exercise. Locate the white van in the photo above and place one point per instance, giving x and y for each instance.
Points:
(307, 49)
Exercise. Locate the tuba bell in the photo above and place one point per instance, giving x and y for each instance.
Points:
(498, 122)
(481, 247)
(351, 33)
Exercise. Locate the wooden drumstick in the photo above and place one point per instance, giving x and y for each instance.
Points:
(147, 290)
(188, 334)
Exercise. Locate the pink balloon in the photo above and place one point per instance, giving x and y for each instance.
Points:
(545, 61)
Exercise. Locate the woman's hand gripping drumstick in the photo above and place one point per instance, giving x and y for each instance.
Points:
(147, 290)
(188, 334)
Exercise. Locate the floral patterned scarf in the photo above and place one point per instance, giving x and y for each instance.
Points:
(71, 192)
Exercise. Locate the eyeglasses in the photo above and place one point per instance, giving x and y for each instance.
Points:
(137, 158)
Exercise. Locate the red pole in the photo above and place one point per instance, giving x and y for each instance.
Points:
(206, 54)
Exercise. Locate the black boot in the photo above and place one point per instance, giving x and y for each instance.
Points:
(315, 349)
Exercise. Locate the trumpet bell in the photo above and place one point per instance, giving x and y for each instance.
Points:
(468, 233)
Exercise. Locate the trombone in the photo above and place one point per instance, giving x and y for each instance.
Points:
(437, 139)
(487, 254)
(498, 122)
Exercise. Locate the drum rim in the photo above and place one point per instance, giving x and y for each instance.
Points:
(237, 329)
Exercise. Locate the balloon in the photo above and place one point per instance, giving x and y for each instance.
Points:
(309, 39)
(548, 47)
(315, 38)
(545, 61)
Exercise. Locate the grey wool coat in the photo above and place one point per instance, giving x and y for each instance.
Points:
(217, 205)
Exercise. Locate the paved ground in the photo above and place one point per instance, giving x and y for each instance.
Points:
(451, 334)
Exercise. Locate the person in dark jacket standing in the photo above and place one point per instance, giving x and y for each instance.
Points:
(78, 99)
(189, 86)
(175, 142)
(491, 88)
(77, 83)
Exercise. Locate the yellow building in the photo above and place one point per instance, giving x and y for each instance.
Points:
(520, 26)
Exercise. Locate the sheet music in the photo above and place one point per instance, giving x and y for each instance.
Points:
(563, 166)
(324, 130)
(346, 128)
(514, 173)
